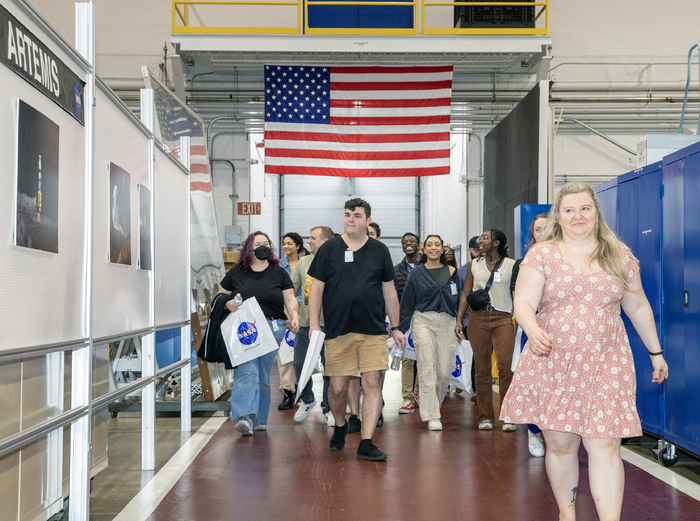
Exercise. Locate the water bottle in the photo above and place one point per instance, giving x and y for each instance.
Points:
(237, 300)
(396, 354)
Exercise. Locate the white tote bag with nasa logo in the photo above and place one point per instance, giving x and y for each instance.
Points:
(287, 347)
(247, 334)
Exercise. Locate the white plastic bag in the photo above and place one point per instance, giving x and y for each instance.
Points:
(410, 350)
(247, 334)
(462, 375)
(517, 349)
(287, 347)
(313, 355)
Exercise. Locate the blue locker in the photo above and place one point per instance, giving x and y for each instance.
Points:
(681, 309)
(607, 195)
(523, 215)
(639, 226)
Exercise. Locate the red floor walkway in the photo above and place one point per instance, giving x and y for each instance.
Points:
(288, 474)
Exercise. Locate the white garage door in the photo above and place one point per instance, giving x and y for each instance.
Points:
(308, 201)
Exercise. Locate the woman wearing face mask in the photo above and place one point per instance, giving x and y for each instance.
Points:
(430, 298)
(534, 433)
(258, 274)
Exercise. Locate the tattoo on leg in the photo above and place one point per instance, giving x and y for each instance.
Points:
(573, 499)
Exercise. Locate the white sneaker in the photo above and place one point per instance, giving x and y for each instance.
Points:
(509, 427)
(261, 427)
(330, 419)
(303, 411)
(486, 425)
(245, 426)
(434, 425)
(534, 443)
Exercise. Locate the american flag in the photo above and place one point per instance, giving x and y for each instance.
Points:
(357, 121)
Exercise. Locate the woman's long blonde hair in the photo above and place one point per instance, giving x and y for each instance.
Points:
(607, 252)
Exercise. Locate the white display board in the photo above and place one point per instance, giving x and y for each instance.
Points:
(172, 223)
(43, 299)
(121, 292)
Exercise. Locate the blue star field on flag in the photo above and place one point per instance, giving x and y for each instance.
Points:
(298, 94)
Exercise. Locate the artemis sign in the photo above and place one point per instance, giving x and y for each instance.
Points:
(26, 55)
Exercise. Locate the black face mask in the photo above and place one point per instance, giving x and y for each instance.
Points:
(262, 252)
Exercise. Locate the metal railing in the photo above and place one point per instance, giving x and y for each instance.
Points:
(491, 30)
(182, 18)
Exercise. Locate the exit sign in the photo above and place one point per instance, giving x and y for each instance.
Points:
(249, 208)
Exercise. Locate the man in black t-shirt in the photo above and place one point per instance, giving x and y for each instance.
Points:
(354, 279)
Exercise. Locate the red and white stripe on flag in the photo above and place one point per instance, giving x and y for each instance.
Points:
(357, 121)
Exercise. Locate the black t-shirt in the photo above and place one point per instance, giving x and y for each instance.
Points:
(266, 286)
(353, 301)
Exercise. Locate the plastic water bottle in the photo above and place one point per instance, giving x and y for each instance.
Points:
(237, 300)
(396, 354)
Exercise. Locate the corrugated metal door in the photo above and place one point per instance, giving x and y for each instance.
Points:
(308, 201)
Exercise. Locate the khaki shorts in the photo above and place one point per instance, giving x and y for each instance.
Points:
(354, 353)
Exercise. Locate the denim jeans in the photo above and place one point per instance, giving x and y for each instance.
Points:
(250, 393)
(301, 346)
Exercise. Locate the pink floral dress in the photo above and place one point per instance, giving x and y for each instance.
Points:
(587, 384)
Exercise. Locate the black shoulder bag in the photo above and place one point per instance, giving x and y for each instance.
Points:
(479, 299)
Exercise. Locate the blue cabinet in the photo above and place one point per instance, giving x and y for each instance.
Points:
(607, 195)
(639, 226)
(681, 309)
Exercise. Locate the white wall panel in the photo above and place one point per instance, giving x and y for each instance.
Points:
(121, 292)
(51, 308)
(172, 201)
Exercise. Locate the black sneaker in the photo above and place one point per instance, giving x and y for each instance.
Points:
(338, 438)
(380, 421)
(355, 424)
(370, 452)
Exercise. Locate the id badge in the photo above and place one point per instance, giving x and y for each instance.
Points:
(497, 276)
(275, 327)
(348, 256)
(453, 288)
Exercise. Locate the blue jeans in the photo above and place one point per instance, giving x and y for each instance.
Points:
(301, 346)
(250, 393)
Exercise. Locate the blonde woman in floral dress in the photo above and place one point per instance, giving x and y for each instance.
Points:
(575, 378)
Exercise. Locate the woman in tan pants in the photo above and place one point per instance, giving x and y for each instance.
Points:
(429, 300)
(492, 325)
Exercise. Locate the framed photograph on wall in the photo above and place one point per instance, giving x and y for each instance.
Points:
(144, 228)
(119, 215)
(37, 180)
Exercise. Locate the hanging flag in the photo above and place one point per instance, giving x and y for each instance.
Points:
(357, 121)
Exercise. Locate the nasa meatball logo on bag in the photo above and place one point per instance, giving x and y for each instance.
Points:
(247, 334)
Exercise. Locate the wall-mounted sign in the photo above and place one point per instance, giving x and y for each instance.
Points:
(249, 208)
(25, 54)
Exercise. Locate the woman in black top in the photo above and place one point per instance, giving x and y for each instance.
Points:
(430, 299)
(258, 274)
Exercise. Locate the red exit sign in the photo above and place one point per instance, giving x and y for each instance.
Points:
(249, 208)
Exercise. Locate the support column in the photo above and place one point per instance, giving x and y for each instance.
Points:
(148, 341)
(185, 331)
(81, 380)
